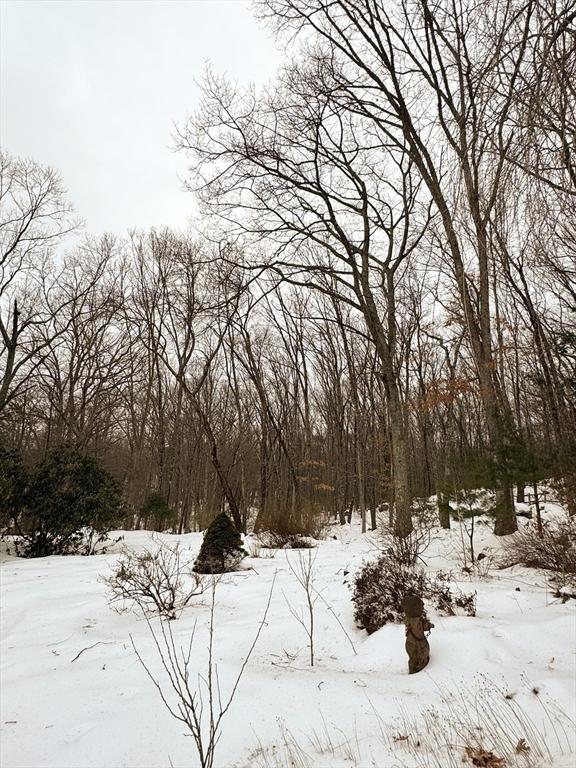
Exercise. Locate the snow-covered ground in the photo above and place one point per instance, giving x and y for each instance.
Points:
(60, 709)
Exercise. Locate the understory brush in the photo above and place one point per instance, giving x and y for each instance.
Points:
(275, 540)
(410, 549)
(485, 727)
(292, 530)
(553, 549)
(381, 585)
(155, 581)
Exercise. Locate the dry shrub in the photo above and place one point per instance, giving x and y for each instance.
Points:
(328, 742)
(483, 565)
(554, 550)
(155, 581)
(380, 587)
(274, 540)
(308, 522)
(254, 548)
(286, 751)
(409, 549)
(484, 728)
(479, 727)
(257, 550)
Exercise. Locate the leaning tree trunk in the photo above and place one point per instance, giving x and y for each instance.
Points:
(221, 473)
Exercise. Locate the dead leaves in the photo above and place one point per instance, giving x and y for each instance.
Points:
(483, 759)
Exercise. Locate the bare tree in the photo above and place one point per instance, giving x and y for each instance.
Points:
(396, 65)
(34, 217)
(303, 572)
(341, 211)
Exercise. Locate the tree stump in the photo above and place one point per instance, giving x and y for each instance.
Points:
(417, 625)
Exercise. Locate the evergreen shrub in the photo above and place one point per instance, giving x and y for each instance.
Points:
(71, 504)
(221, 549)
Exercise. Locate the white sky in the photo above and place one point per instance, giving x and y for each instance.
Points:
(93, 88)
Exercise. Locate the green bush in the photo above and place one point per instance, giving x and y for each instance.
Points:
(221, 549)
(12, 485)
(156, 512)
(71, 503)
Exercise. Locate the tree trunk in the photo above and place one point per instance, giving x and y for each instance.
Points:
(444, 510)
(401, 476)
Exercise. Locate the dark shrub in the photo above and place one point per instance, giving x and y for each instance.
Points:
(156, 512)
(12, 485)
(447, 597)
(379, 589)
(71, 504)
(381, 585)
(274, 540)
(221, 549)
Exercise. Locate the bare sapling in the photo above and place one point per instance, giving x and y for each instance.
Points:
(303, 572)
(409, 549)
(468, 505)
(196, 699)
(466, 541)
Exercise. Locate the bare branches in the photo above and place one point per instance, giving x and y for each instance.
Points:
(199, 705)
(34, 217)
(303, 572)
(155, 580)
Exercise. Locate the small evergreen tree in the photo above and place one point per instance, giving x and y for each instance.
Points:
(221, 548)
(71, 504)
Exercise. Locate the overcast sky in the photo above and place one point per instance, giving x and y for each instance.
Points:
(93, 88)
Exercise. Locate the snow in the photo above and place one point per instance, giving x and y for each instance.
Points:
(99, 709)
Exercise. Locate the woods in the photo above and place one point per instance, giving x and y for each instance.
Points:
(288, 383)
(377, 304)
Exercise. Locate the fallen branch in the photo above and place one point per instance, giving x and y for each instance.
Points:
(100, 642)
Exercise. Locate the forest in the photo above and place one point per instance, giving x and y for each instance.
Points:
(364, 341)
(378, 303)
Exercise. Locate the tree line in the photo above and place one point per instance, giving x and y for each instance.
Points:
(379, 302)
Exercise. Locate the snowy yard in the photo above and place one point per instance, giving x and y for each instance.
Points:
(266, 265)
(74, 695)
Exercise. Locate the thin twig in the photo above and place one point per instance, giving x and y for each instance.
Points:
(100, 642)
